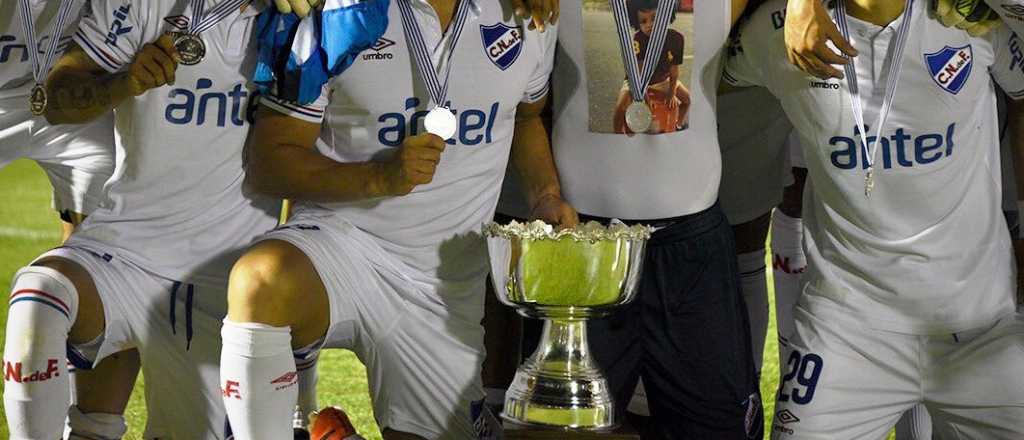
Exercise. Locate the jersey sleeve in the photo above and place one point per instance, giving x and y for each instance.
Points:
(1011, 11)
(113, 31)
(312, 112)
(744, 61)
(539, 83)
(1008, 68)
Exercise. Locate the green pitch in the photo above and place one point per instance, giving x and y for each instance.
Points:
(28, 227)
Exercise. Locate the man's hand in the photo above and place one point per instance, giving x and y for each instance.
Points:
(973, 16)
(299, 7)
(808, 29)
(554, 210)
(414, 165)
(539, 12)
(153, 66)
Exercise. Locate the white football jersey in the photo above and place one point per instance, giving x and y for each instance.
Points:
(928, 252)
(176, 204)
(433, 233)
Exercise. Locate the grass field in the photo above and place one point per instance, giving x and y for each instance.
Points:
(28, 227)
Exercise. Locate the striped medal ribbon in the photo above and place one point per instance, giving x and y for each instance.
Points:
(440, 120)
(41, 67)
(638, 114)
(895, 55)
(190, 46)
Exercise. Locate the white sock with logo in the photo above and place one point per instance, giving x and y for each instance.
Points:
(37, 387)
(915, 424)
(306, 364)
(259, 380)
(788, 263)
(755, 293)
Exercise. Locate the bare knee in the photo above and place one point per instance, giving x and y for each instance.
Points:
(275, 284)
(89, 322)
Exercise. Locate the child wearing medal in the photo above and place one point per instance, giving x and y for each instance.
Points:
(667, 99)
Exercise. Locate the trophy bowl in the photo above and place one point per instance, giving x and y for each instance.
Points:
(563, 277)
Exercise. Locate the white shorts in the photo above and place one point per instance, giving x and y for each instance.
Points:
(754, 136)
(423, 364)
(844, 381)
(175, 325)
(78, 159)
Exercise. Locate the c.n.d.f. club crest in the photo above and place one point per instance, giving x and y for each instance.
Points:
(502, 43)
(950, 67)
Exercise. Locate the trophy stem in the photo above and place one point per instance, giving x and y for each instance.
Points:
(560, 385)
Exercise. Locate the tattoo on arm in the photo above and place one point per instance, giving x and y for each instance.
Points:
(73, 93)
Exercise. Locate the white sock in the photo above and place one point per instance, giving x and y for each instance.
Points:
(755, 294)
(788, 263)
(95, 426)
(306, 363)
(259, 380)
(42, 307)
(915, 424)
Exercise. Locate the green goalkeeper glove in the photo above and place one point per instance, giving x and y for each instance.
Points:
(973, 16)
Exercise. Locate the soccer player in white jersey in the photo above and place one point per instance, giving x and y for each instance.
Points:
(78, 160)
(383, 254)
(149, 268)
(908, 296)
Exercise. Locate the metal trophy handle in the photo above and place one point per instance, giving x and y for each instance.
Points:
(564, 277)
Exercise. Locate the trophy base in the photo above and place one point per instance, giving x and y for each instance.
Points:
(559, 387)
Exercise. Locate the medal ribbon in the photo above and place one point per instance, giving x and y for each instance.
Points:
(41, 67)
(421, 54)
(640, 79)
(203, 20)
(892, 79)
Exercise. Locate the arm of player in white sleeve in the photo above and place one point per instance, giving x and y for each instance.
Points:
(112, 32)
(1011, 11)
(312, 112)
(743, 65)
(1008, 68)
(539, 83)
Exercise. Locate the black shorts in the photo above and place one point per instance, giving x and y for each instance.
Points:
(687, 335)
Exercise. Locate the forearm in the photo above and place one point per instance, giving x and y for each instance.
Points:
(533, 162)
(79, 97)
(302, 174)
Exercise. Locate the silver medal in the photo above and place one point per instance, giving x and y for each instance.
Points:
(191, 49)
(441, 122)
(638, 117)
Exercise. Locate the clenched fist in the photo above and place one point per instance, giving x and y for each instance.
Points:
(973, 16)
(539, 12)
(414, 165)
(153, 66)
(299, 7)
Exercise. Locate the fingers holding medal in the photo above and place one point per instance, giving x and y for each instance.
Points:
(154, 65)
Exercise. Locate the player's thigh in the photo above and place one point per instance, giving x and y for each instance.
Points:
(89, 321)
(841, 381)
(108, 387)
(276, 283)
(975, 388)
(424, 377)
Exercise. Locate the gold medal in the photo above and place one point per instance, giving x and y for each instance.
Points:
(37, 100)
(191, 49)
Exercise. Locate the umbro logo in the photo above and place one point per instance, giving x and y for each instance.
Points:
(1014, 11)
(786, 417)
(285, 378)
(179, 22)
(378, 52)
(824, 85)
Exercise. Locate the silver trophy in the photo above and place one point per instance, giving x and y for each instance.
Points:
(564, 277)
